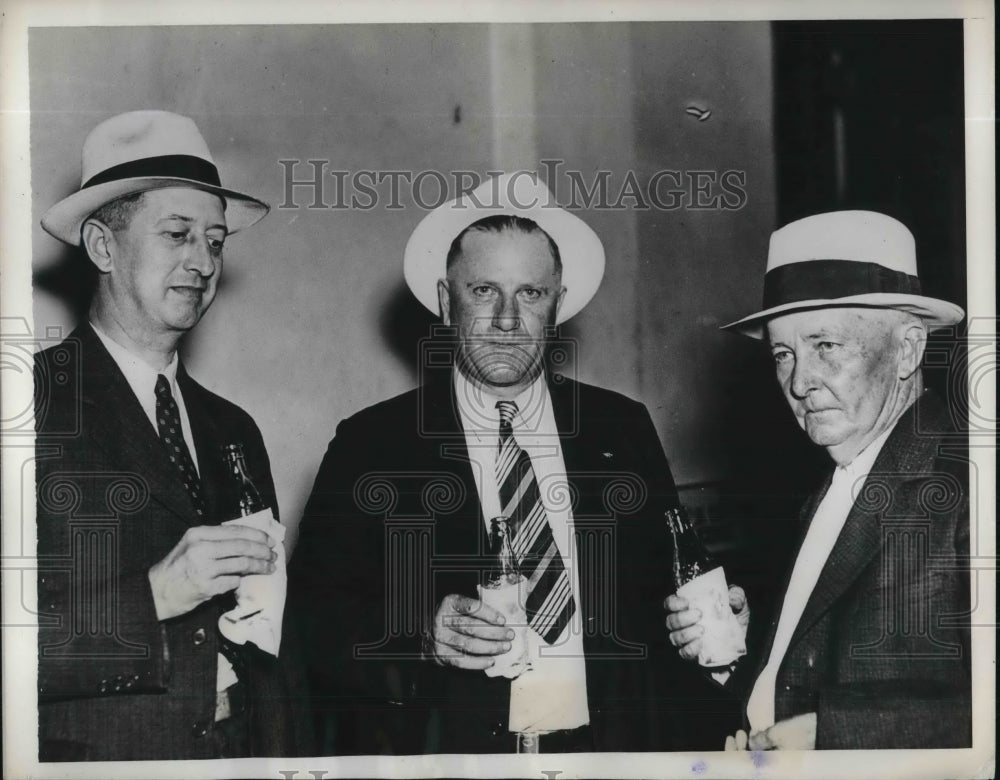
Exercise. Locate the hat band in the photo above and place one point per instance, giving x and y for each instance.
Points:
(826, 279)
(168, 166)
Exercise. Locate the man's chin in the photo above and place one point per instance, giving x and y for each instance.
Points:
(505, 379)
(505, 370)
(824, 434)
(184, 320)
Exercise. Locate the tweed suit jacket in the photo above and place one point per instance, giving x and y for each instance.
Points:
(881, 652)
(114, 683)
(394, 523)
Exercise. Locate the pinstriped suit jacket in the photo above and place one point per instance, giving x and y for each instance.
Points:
(881, 652)
(114, 683)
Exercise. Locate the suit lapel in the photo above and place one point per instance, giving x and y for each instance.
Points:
(116, 422)
(861, 537)
(581, 457)
(443, 442)
(805, 517)
(208, 441)
(570, 421)
(857, 544)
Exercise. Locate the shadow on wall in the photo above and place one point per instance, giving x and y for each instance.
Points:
(404, 324)
(70, 277)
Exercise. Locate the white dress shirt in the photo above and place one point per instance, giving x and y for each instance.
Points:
(824, 528)
(552, 695)
(141, 377)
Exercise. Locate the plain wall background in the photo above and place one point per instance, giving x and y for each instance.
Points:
(313, 321)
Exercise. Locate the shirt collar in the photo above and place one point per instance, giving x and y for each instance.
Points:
(140, 376)
(864, 460)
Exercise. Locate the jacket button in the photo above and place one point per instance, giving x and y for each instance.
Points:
(102, 687)
(199, 729)
(199, 636)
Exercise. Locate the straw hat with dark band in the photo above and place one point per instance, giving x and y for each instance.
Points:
(844, 258)
(139, 151)
(521, 194)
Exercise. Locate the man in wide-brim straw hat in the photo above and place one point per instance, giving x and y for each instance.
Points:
(132, 663)
(407, 658)
(870, 646)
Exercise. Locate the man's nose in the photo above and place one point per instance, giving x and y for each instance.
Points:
(200, 258)
(804, 378)
(506, 316)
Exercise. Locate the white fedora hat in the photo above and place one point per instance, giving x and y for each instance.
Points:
(145, 150)
(520, 194)
(844, 258)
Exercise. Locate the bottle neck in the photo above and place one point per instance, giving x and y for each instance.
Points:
(508, 560)
(502, 546)
(691, 558)
(249, 496)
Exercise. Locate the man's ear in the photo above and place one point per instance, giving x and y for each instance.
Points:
(913, 341)
(97, 241)
(444, 301)
(559, 300)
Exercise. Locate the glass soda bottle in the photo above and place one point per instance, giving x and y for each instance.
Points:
(701, 581)
(249, 496)
(505, 590)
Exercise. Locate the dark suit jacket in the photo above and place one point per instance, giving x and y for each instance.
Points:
(113, 682)
(394, 523)
(881, 652)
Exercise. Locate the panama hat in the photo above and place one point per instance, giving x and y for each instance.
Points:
(844, 258)
(139, 151)
(520, 194)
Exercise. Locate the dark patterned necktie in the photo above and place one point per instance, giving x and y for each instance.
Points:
(168, 423)
(550, 601)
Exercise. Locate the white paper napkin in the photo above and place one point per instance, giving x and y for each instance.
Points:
(508, 599)
(724, 639)
(260, 598)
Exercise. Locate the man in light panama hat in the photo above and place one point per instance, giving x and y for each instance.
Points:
(411, 659)
(886, 538)
(140, 151)
(132, 663)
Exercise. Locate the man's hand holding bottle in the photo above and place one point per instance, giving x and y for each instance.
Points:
(702, 624)
(685, 622)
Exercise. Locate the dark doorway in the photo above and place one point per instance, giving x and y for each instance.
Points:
(867, 115)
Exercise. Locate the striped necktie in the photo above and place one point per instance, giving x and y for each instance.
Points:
(550, 600)
(168, 423)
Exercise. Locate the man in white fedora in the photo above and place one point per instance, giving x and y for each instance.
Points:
(135, 569)
(870, 645)
(406, 657)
